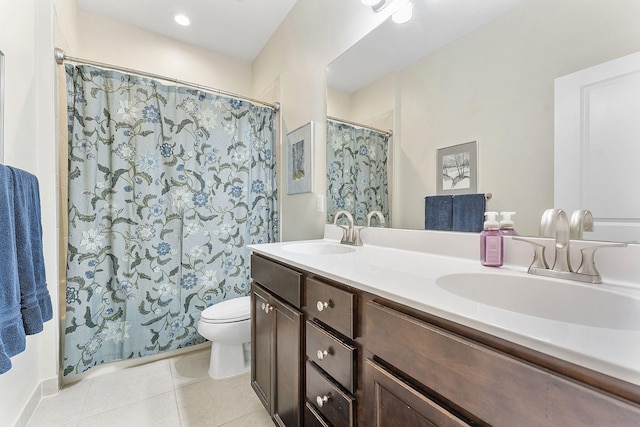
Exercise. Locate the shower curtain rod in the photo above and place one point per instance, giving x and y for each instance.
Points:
(347, 122)
(61, 57)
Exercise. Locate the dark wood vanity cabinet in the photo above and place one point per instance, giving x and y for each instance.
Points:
(276, 343)
(469, 383)
(360, 360)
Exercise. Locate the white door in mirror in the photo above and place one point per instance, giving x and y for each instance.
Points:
(596, 146)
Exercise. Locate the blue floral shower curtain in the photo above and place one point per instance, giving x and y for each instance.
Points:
(166, 187)
(356, 171)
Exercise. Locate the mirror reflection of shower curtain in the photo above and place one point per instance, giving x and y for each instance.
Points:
(357, 178)
(167, 186)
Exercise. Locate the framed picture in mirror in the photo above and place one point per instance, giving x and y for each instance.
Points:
(457, 169)
(299, 155)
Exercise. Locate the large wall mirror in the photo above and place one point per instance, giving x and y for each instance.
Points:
(464, 70)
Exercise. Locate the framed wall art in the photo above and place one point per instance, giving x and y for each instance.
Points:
(457, 169)
(299, 154)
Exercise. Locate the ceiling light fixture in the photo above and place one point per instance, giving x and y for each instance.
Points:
(401, 11)
(372, 2)
(403, 14)
(181, 19)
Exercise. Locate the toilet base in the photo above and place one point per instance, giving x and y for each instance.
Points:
(228, 360)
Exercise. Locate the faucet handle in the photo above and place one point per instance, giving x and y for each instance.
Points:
(357, 240)
(345, 234)
(539, 260)
(588, 265)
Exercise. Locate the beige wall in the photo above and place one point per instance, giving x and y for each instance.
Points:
(25, 39)
(312, 35)
(371, 105)
(104, 40)
(496, 86)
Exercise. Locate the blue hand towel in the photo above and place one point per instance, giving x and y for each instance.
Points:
(12, 335)
(438, 212)
(35, 299)
(468, 212)
(35, 224)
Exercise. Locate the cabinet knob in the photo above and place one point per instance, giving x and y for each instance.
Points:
(267, 308)
(321, 400)
(322, 354)
(322, 305)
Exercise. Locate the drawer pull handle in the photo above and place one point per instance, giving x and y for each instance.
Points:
(321, 400)
(322, 305)
(322, 354)
(267, 307)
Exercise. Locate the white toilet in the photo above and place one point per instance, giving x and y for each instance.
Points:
(228, 326)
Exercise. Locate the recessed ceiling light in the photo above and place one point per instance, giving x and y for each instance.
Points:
(181, 19)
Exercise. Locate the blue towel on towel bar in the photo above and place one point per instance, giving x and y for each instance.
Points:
(35, 298)
(468, 212)
(438, 213)
(12, 336)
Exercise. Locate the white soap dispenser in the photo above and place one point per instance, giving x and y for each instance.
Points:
(506, 224)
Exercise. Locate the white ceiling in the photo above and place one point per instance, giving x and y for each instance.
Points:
(240, 28)
(391, 47)
(237, 28)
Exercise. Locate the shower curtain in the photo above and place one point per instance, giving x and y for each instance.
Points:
(167, 185)
(356, 171)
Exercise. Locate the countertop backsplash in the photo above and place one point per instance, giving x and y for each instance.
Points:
(618, 266)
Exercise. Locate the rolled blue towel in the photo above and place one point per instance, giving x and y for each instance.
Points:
(468, 212)
(12, 335)
(438, 212)
(35, 298)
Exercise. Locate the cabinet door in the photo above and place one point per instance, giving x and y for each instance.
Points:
(261, 347)
(391, 402)
(288, 356)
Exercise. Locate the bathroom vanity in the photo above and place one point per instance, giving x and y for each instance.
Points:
(340, 349)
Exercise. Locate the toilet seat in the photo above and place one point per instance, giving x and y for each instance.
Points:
(233, 310)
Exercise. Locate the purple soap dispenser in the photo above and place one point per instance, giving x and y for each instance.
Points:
(491, 246)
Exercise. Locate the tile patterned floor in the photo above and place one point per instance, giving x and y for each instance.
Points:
(175, 392)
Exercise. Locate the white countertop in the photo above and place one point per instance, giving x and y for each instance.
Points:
(409, 277)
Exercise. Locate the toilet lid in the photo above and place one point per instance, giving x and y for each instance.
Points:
(231, 310)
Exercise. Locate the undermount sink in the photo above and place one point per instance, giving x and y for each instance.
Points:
(318, 248)
(557, 300)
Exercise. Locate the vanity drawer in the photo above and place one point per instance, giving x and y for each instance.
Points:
(328, 399)
(498, 388)
(331, 306)
(332, 355)
(282, 281)
(393, 402)
(312, 418)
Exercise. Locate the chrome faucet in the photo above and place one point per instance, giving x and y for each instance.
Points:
(554, 223)
(350, 236)
(376, 213)
(581, 220)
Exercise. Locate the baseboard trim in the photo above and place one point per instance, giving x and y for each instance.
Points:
(44, 388)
